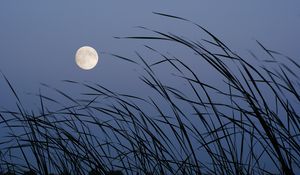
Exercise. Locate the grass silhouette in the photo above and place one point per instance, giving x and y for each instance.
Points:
(248, 126)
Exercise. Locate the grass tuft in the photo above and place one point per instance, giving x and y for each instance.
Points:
(245, 123)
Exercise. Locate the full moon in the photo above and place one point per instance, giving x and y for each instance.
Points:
(86, 57)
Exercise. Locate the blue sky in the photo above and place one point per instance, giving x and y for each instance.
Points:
(38, 40)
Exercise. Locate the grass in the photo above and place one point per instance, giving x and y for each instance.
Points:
(247, 123)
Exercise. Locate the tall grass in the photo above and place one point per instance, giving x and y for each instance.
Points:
(248, 124)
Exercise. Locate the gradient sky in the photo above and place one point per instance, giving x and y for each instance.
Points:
(38, 40)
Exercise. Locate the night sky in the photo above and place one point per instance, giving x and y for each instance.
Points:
(38, 40)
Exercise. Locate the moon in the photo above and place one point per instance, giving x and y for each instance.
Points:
(86, 57)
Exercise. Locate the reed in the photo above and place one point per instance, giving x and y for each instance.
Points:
(247, 124)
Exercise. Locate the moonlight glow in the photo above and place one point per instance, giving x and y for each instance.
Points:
(86, 57)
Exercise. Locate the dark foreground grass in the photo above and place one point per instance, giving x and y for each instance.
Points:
(247, 124)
